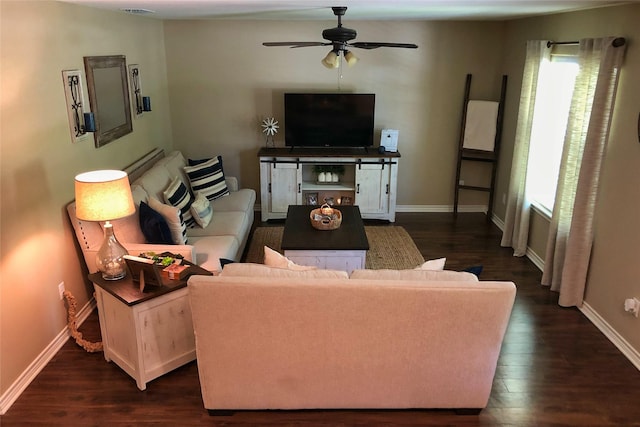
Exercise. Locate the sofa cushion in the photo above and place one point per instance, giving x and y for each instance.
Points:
(155, 181)
(261, 270)
(154, 226)
(209, 250)
(275, 259)
(208, 178)
(423, 275)
(201, 210)
(172, 215)
(221, 224)
(241, 200)
(174, 162)
(139, 195)
(178, 195)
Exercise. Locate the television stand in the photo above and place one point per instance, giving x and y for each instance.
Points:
(290, 176)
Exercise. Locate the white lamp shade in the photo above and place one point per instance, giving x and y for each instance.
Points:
(103, 195)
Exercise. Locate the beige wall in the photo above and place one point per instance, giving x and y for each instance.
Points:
(38, 161)
(222, 81)
(614, 270)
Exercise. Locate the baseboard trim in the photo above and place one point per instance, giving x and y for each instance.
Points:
(621, 344)
(20, 385)
(440, 208)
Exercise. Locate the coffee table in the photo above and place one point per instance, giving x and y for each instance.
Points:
(344, 248)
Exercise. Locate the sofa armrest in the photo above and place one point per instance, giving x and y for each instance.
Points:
(232, 183)
(187, 251)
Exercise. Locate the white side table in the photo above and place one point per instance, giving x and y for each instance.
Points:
(147, 334)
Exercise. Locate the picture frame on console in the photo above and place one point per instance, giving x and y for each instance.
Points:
(312, 199)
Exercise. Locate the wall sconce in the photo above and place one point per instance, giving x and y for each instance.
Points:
(80, 122)
(142, 103)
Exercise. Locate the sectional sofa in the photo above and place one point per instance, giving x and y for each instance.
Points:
(224, 236)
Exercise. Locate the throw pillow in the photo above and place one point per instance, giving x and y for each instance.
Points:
(476, 269)
(154, 226)
(208, 178)
(174, 220)
(225, 261)
(397, 277)
(433, 264)
(195, 162)
(260, 270)
(201, 210)
(179, 196)
(275, 259)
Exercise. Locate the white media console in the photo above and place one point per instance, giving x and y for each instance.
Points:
(289, 177)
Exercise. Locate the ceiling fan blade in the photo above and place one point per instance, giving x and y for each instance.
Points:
(375, 45)
(295, 44)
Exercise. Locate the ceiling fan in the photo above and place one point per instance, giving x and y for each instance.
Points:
(339, 37)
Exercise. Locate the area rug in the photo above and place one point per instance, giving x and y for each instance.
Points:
(389, 247)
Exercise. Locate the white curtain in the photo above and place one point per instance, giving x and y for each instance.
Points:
(516, 226)
(571, 230)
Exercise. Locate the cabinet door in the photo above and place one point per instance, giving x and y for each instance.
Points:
(372, 188)
(285, 189)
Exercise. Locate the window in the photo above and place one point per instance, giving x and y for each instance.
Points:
(553, 100)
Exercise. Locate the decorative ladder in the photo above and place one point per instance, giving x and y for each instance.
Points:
(476, 155)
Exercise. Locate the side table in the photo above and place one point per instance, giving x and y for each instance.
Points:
(149, 333)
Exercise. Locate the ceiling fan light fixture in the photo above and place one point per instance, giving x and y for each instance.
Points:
(332, 60)
(350, 58)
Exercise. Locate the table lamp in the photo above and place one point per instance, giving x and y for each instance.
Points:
(105, 195)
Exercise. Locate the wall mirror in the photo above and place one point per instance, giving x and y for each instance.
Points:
(108, 96)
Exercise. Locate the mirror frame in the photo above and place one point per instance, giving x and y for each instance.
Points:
(104, 136)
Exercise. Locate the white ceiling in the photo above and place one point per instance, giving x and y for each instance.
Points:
(357, 9)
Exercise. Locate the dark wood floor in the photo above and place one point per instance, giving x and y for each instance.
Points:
(555, 367)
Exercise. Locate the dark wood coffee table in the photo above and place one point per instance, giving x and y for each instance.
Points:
(344, 248)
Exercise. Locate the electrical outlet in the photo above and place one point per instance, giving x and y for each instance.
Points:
(461, 182)
(61, 290)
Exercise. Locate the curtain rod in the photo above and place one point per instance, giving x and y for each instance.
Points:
(617, 42)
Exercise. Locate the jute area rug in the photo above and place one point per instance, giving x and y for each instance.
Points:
(389, 247)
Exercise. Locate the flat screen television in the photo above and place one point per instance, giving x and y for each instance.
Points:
(329, 119)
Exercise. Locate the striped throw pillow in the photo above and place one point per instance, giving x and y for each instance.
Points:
(208, 178)
(179, 196)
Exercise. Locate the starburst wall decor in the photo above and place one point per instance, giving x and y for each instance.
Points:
(270, 128)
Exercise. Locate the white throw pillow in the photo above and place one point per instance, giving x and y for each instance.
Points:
(432, 264)
(275, 259)
(261, 270)
(201, 210)
(172, 215)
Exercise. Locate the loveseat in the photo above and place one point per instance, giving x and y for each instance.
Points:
(271, 338)
(224, 237)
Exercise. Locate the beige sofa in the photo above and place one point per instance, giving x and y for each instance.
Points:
(269, 338)
(224, 237)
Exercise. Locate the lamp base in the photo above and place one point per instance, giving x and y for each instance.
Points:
(110, 258)
(107, 276)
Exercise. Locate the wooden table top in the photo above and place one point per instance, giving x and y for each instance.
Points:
(299, 234)
(128, 291)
